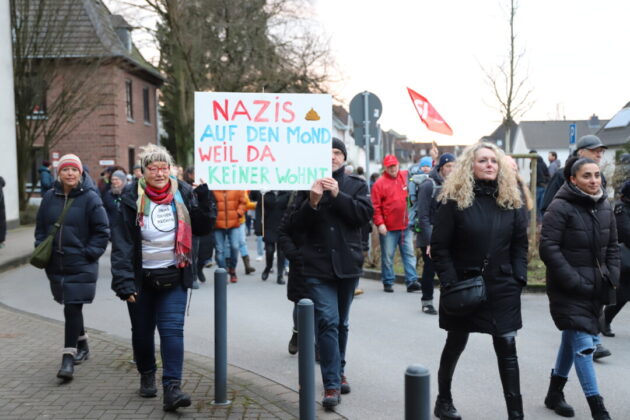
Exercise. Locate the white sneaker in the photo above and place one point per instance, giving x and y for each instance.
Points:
(259, 258)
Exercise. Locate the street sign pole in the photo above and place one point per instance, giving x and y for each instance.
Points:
(572, 136)
(366, 132)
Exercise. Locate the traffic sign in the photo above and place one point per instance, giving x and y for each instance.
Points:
(359, 117)
(572, 134)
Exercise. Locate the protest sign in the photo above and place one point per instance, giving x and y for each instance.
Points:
(262, 141)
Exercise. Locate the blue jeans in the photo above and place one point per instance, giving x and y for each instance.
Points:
(332, 300)
(242, 245)
(260, 246)
(223, 239)
(577, 347)
(164, 309)
(404, 240)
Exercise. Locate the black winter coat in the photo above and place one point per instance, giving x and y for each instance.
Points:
(426, 207)
(127, 238)
(111, 202)
(622, 218)
(459, 245)
(574, 225)
(275, 204)
(291, 241)
(332, 232)
(79, 242)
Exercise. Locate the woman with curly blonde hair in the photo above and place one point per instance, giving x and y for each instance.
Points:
(480, 230)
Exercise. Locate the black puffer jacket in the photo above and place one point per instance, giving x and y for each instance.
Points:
(426, 206)
(275, 204)
(332, 232)
(78, 244)
(459, 245)
(622, 217)
(574, 225)
(127, 238)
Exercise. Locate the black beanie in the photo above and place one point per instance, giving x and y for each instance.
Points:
(338, 144)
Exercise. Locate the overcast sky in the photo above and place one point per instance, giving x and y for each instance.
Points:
(575, 58)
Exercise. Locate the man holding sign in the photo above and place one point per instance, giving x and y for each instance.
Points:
(331, 216)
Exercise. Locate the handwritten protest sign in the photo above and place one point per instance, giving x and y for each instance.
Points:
(254, 141)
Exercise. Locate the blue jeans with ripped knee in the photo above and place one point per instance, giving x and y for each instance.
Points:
(576, 348)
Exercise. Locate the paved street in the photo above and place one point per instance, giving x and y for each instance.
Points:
(388, 332)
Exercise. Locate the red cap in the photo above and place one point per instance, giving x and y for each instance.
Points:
(390, 160)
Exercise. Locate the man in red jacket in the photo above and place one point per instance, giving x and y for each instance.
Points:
(389, 199)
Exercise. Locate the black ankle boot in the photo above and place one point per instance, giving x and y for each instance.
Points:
(265, 274)
(174, 397)
(555, 397)
(445, 410)
(293, 343)
(280, 279)
(83, 352)
(514, 407)
(67, 367)
(598, 411)
(147, 385)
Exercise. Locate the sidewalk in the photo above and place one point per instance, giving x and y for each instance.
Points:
(105, 386)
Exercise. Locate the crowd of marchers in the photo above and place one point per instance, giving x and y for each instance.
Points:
(465, 216)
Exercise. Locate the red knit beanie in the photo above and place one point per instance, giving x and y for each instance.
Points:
(70, 160)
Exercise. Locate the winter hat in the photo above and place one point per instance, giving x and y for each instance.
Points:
(426, 161)
(390, 160)
(445, 158)
(338, 144)
(70, 160)
(120, 175)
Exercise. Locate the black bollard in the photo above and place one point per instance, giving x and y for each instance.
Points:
(306, 356)
(220, 337)
(417, 393)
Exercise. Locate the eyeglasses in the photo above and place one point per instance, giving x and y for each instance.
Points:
(154, 170)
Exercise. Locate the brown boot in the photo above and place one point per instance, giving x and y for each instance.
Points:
(232, 273)
(248, 268)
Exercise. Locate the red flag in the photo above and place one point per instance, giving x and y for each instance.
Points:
(429, 116)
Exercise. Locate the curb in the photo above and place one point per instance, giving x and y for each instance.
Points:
(14, 262)
(371, 274)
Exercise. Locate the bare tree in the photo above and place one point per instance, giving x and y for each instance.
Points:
(233, 46)
(508, 85)
(54, 90)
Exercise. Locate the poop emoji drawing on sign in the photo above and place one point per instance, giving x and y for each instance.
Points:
(311, 115)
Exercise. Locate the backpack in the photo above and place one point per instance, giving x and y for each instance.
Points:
(434, 193)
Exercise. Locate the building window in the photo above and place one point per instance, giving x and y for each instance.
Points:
(129, 99)
(145, 104)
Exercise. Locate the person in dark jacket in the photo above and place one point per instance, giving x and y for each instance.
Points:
(578, 245)
(622, 217)
(46, 179)
(330, 218)
(291, 242)
(111, 197)
(275, 204)
(480, 230)
(78, 244)
(425, 208)
(152, 267)
(589, 146)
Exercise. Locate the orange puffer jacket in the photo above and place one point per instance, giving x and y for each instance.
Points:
(231, 205)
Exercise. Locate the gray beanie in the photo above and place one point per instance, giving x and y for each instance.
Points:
(120, 175)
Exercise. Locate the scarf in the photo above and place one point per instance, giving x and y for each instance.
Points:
(168, 195)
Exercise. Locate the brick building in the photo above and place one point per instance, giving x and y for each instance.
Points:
(126, 117)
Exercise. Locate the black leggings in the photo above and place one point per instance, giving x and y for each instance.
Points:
(270, 248)
(73, 312)
(505, 349)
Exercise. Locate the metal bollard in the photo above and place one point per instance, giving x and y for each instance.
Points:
(417, 393)
(306, 356)
(220, 338)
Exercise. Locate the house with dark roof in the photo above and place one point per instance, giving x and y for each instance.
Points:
(616, 133)
(128, 117)
(544, 137)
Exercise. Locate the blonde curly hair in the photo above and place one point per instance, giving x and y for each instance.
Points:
(459, 185)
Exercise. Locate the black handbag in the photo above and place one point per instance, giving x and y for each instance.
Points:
(464, 297)
(163, 278)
